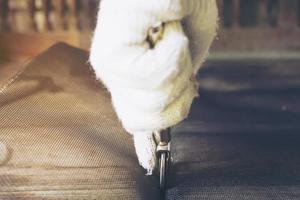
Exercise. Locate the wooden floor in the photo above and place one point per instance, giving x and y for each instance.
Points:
(64, 139)
(62, 144)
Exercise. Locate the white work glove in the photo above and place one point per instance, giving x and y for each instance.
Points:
(145, 148)
(151, 77)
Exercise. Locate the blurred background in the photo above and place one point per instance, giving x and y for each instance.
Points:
(248, 28)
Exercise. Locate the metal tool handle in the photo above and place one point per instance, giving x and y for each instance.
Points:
(163, 152)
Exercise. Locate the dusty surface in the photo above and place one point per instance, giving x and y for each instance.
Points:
(64, 141)
(63, 137)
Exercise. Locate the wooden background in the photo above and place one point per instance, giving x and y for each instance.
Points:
(29, 26)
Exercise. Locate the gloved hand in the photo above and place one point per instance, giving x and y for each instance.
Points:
(151, 77)
(145, 148)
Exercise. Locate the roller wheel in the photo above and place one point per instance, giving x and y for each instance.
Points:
(163, 167)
